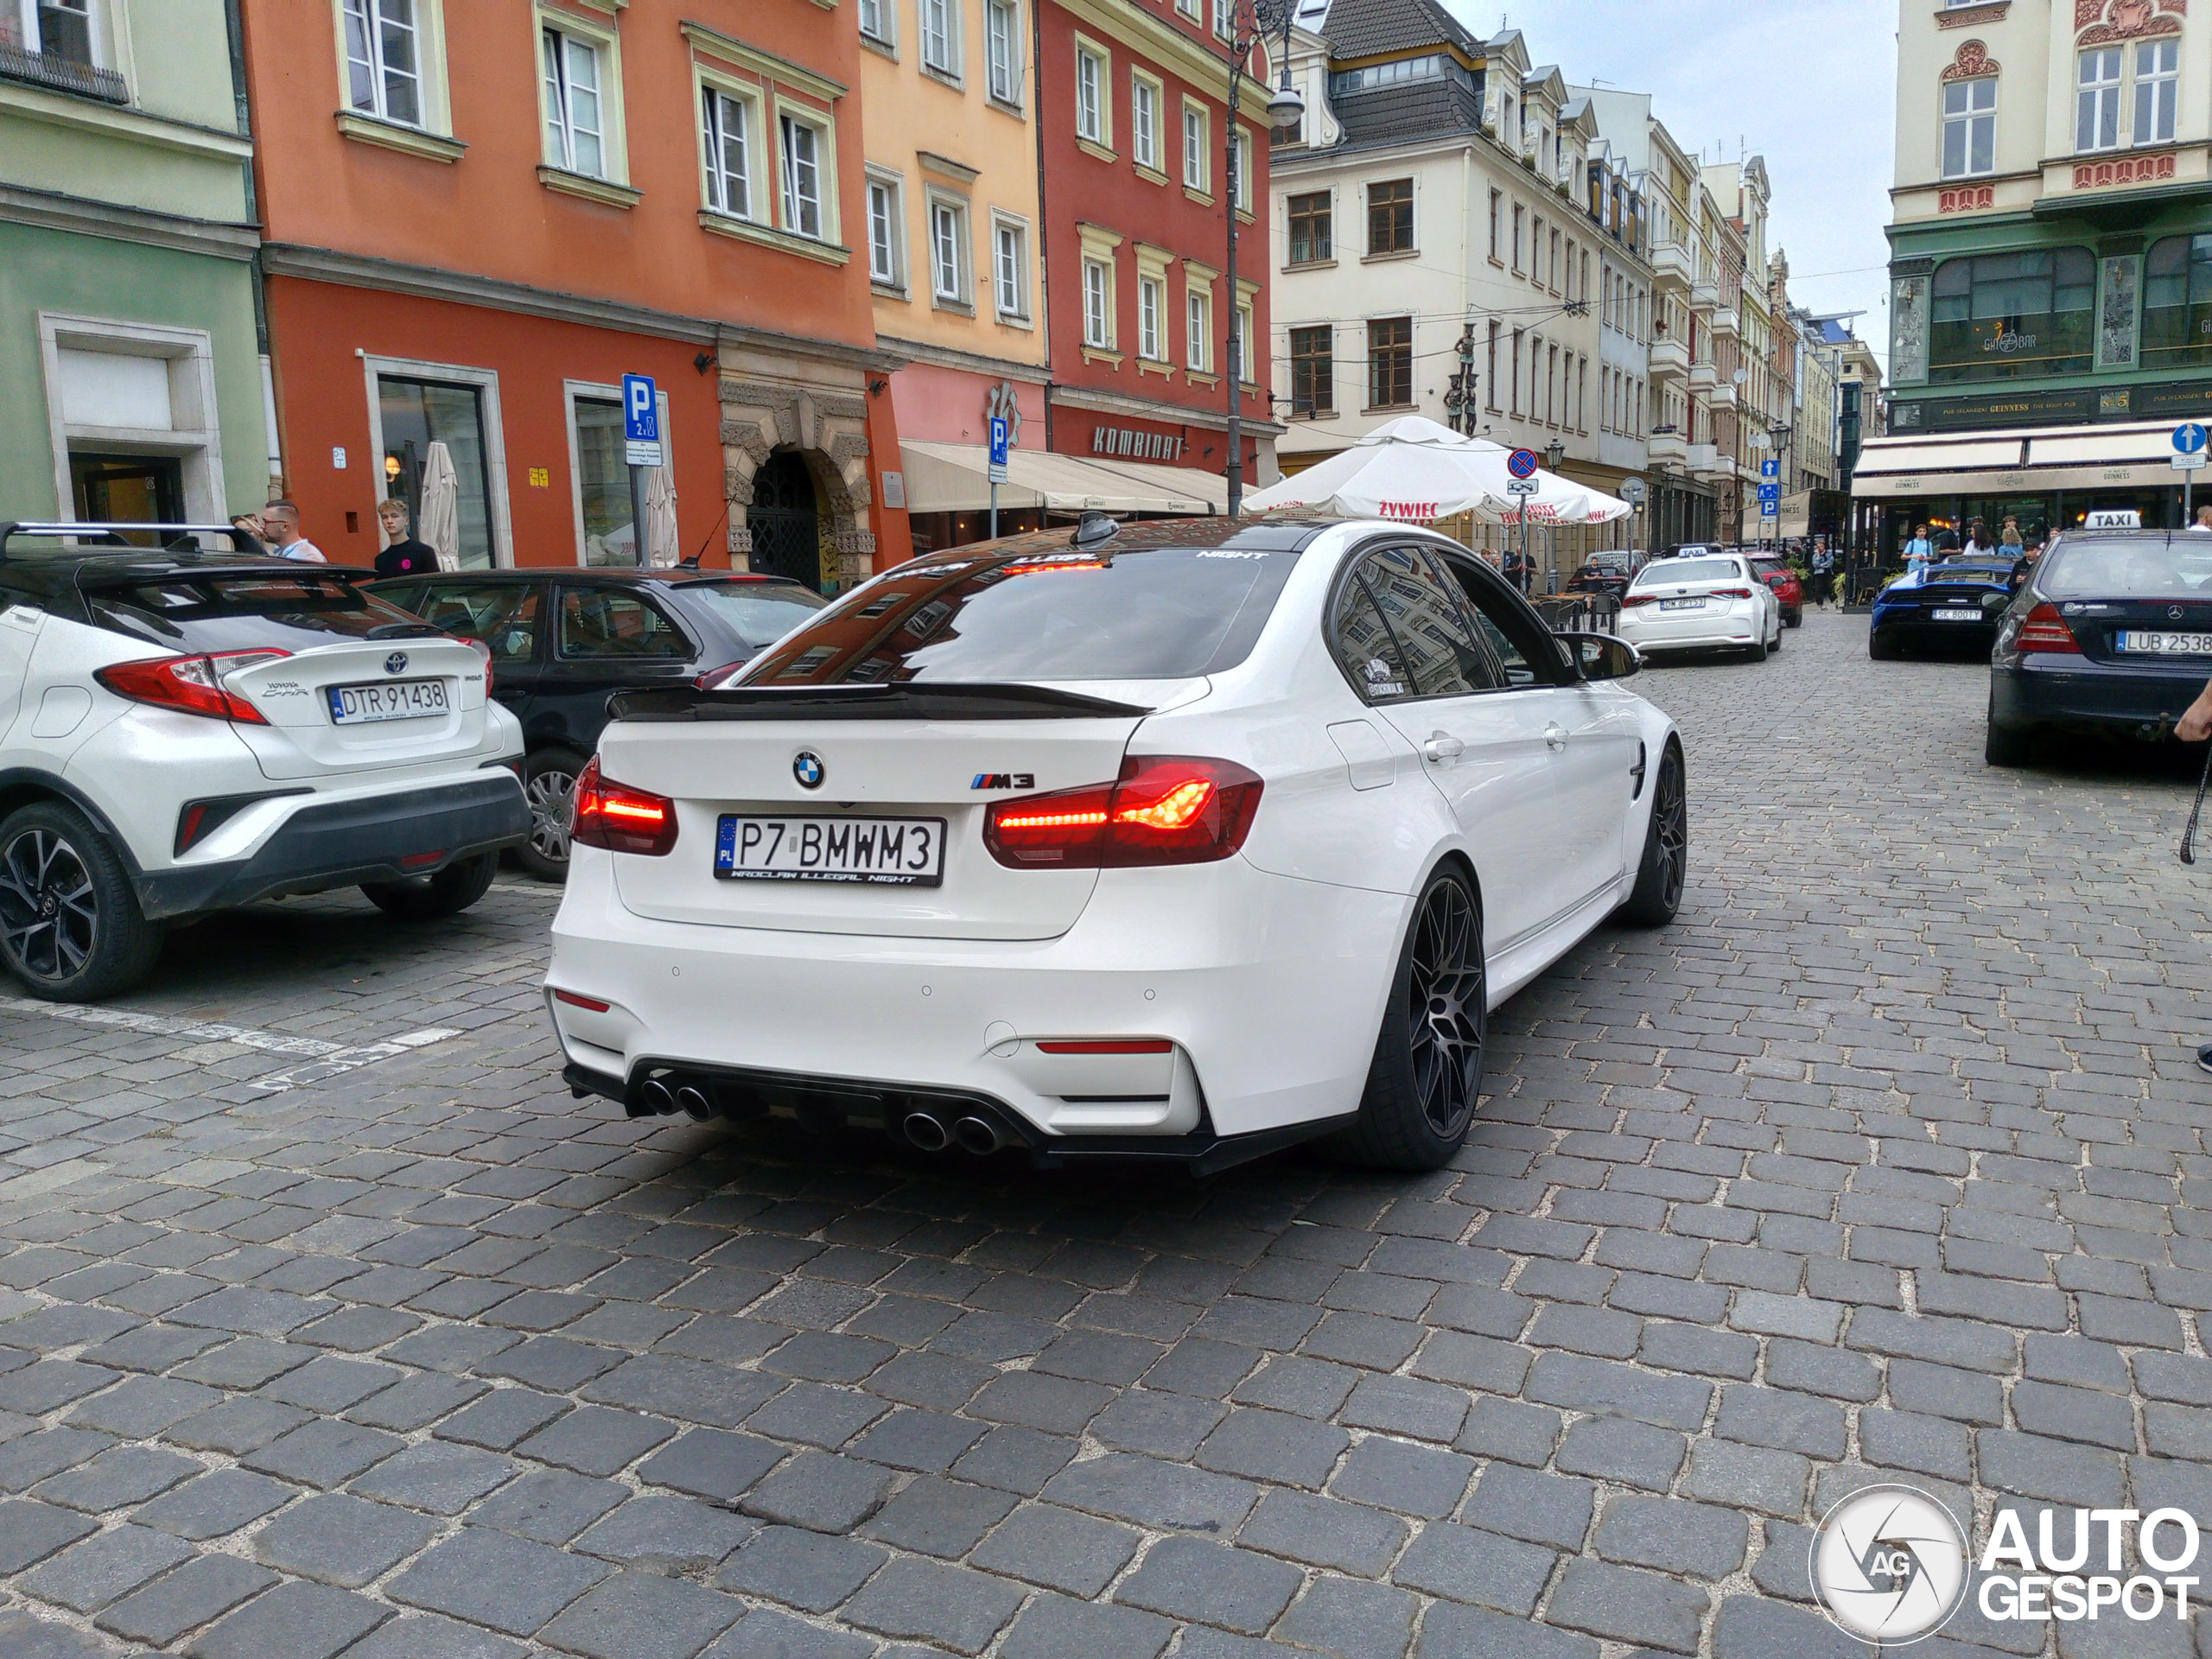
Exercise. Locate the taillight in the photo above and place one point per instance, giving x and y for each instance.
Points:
(716, 679)
(191, 685)
(485, 652)
(1732, 592)
(619, 818)
(1640, 598)
(2043, 629)
(1162, 809)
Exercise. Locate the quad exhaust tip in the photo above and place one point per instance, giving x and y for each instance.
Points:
(694, 1103)
(927, 1131)
(658, 1098)
(977, 1135)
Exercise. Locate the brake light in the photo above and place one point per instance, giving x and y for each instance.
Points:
(1732, 592)
(2043, 629)
(1162, 809)
(618, 818)
(191, 685)
(485, 652)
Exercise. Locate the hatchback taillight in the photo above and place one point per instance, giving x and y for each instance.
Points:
(2043, 629)
(619, 818)
(191, 685)
(1162, 809)
(1732, 592)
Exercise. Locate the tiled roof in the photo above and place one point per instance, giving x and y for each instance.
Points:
(1358, 29)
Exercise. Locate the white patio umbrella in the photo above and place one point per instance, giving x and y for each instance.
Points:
(1557, 501)
(661, 550)
(441, 515)
(1416, 469)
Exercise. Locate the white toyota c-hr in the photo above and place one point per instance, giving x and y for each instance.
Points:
(1188, 840)
(190, 728)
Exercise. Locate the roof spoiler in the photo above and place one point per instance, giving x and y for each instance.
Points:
(113, 534)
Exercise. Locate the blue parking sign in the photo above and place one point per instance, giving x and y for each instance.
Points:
(1001, 440)
(640, 410)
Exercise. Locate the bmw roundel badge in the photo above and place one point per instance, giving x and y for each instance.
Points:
(395, 664)
(806, 766)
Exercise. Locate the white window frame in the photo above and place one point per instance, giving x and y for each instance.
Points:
(2160, 84)
(1152, 318)
(1002, 56)
(714, 191)
(486, 382)
(878, 22)
(1240, 158)
(941, 49)
(893, 188)
(1224, 17)
(1097, 303)
(1148, 98)
(952, 272)
(788, 115)
(595, 392)
(1094, 94)
(425, 24)
(1198, 326)
(1971, 119)
(1004, 225)
(193, 436)
(2097, 103)
(558, 96)
(1197, 153)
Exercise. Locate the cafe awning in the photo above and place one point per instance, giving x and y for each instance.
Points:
(2025, 460)
(956, 478)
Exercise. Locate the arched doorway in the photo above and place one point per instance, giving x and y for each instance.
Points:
(786, 529)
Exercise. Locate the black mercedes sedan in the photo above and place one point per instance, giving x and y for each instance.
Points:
(2112, 635)
(563, 640)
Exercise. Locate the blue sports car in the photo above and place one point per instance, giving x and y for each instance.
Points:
(1958, 599)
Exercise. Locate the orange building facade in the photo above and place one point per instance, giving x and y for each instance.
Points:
(478, 218)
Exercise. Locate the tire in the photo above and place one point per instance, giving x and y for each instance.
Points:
(1881, 649)
(2003, 746)
(1664, 868)
(1427, 1071)
(1757, 649)
(549, 784)
(1776, 645)
(427, 898)
(70, 926)
(1794, 619)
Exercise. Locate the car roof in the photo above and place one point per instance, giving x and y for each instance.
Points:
(677, 577)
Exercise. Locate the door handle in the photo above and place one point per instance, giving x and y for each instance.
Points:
(1556, 736)
(1442, 746)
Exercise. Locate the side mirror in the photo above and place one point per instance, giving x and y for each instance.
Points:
(1601, 656)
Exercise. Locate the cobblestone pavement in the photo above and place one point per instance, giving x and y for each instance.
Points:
(330, 1323)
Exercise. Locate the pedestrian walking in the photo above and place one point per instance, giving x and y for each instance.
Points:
(1919, 552)
(283, 517)
(2203, 523)
(402, 554)
(1823, 572)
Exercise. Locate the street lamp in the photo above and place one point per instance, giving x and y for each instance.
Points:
(1251, 21)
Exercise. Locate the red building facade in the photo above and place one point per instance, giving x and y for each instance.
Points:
(1133, 101)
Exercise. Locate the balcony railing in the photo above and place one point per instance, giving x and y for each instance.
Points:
(1671, 359)
(1725, 321)
(64, 74)
(1704, 458)
(1667, 446)
(1703, 378)
(1670, 261)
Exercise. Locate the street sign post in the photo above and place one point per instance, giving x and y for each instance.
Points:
(1001, 440)
(1771, 467)
(2189, 455)
(1521, 463)
(642, 449)
(1522, 486)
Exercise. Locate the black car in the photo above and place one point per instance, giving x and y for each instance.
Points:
(2111, 635)
(611, 631)
(1956, 600)
(1605, 572)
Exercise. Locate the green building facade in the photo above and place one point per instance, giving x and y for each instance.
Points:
(132, 378)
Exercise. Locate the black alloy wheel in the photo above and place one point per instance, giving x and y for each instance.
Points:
(70, 926)
(1664, 870)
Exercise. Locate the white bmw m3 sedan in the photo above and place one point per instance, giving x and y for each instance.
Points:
(1183, 841)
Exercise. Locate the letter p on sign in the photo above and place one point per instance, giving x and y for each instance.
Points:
(640, 410)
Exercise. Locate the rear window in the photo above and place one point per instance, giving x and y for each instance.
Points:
(225, 612)
(1668, 572)
(2134, 569)
(756, 612)
(1148, 614)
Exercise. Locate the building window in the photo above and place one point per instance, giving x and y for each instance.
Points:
(1144, 121)
(1097, 304)
(2177, 302)
(1309, 229)
(940, 37)
(412, 415)
(883, 234)
(1492, 400)
(383, 62)
(1970, 127)
(1390, 216)
(949, 263)
(1240, 171)
(1494, 198)
(1196, 165)
(1312, 372)
(726, 127)
(1010, 268)
(1002, 50)
(1151, 324)
(2096, 104)
(801, 145)
(1198, 330)
(1224, 17)
(1519, 220)
(1390, 362)
(2157, 68)
(875, 19)
(1513, 389)
(2008, 316)
(1089, 96)
(575, 137)
(1240, 345)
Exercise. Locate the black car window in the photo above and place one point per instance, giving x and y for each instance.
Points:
(2128, 568)
(1365, 648)
(758, 613)
(408, 595)
(503, 614)
(1422, 609)
(609, 622)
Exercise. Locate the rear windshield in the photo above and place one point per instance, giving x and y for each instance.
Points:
(226, 612)
(1668, 572)
(2135, 568)
(755, 612)
(1143, 614)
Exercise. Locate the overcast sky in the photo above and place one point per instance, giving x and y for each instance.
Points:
(1808, 83)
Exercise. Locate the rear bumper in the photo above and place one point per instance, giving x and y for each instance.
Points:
(1738, 625)
(1903, 623)
(2069, 693)
(345, 843)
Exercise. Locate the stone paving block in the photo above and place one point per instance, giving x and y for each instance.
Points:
(1150, 1493)
(550, 1506)
(2054, 1469)
(1210, 1583)
(203, 1589)
(811, 1571)
(1613, 1448)
(435, 1476)
(1053, 1627)
(1623, 1603)
(1350, 1619)
(120, 1476)
(1703, 1541)
(644, 1616)
(1144, 1420)
(1016, 1459)
(1401, 1405)
(489, 1578)
(765, 1633)
(340, 1540)
(1273, 1446)
(712, 1464)
(142, 1406)
(323, 1452)
(949, 1605)
(1058, 1548)
(1462, 1564)
(214, 1503)
(1413, 1480)
(1325, 1532)
(1597, 1385)
(31, 1531)
(24, 1636)
(820, 1490)
(86, 1576)
(1454, 1632)
(1523, 1504)
(1752, 1477)
(1785, 1421)
(419, 1636)
(1748, 1628)
(298, 1621)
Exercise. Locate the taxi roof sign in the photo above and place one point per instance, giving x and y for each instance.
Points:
(2113, 518)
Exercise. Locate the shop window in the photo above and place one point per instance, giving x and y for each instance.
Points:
(2013, 315)
(603, 482)
(2177, 302)
(416, 415)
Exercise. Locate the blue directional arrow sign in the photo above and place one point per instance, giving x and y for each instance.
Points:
(2189, 438)
(1771, 467)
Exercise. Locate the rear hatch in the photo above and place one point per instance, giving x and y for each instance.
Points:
(2144, 599)
(360, 684)
(910, 706)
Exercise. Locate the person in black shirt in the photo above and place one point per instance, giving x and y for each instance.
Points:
(404, 555)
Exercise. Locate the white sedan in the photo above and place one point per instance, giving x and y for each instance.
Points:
(1714, 601)
(1188, 840)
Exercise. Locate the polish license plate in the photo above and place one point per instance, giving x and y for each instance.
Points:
(359, 705)
(1958, 616)
(1682, 604)
(2166, 644)
(885, 852)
